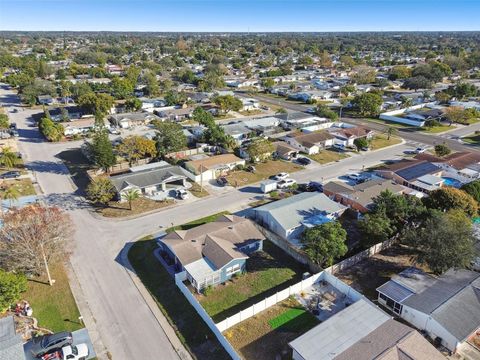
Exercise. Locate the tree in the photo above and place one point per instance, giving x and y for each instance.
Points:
(473, 189)
(152, 87)
(228, 103)
(102, 150)
(96, 103)
(390, 131)
(442, 97)
(8, 158)
(360, 143)
(418, 82)
(456, 114)
(399, 72)
(325, 243)
(169, 138)
(364, 75)
(11, 287)
(11, 194)
(121, 88)
(268, 83)
(368, 104)
(51, 130)
(326, 112)
(376, 228)
(260, 149)
(133, 104)
(34, 236)
(445, 241)
(135, 147)
(447, 198)
(442, 150)
(281, 111)
(4, 123)
(100, 190)
(130, 196)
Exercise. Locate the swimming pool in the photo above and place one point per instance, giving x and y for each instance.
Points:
(447, 181)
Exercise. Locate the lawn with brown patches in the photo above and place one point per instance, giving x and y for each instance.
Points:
(23, 186)
(263, 171)
(139, 206)
(381, 141)
(254, 338)
(328, 155)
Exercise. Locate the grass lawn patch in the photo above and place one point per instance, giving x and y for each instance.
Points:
(24, 186)
(189, 326)
(139, 206)
(256, 338)
(388, 123)
(328, 155)
(268, 271)
(54, 306)
(381, 141)
(473, 139)
(251, 112)
(197, 191)
(263, 171)
(197, 222)
(437, 129)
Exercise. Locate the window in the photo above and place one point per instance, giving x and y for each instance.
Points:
(233, 269)
(383, 297)
(397, 308)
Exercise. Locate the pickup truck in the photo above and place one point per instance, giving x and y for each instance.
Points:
(69, 352)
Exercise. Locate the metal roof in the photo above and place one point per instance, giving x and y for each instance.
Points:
(395, 291)
(341, 331)
(200, 269)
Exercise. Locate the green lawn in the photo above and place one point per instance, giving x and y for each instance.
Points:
(286, 317)
(190, 328)
(437, 129)
(328, 155)
(381, 141)
(23, 186)
(267, 272)
(197, 222)
(53, 306)
(197, 191)
(388, 123)
(473, 139)
(263, 171)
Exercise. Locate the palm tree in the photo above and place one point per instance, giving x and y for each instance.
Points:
(11, 194)
(390, 131)
(8, 158)
(229, 142)
(130, 196)
(406, 102)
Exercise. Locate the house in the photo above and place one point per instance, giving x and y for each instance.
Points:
(264, 125)
(310, 143)
(151, 104)
(250, 104)
(299, 120)
(127, 120)
(420, 175)
(114, 69)
(347, 136)
(79, 127)
(11, 343)
(211, 167)
(177, 114)
(463, 166)
(214, 252)
(151, 180)
(360, 197)
(362, 331)
(447, 307)
(284, 151)
(72, 113)
(237, 130)
(288, 218)
(45, 100)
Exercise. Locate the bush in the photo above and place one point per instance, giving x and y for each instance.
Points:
(240, 167)
(11, 287)
(51, 130)
(208, 290)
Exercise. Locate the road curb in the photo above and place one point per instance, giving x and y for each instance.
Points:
(177, 345)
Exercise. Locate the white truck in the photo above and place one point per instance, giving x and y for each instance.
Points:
(268, 186)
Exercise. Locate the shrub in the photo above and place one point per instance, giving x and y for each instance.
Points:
(11, 286)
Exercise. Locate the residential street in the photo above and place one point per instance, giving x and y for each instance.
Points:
(123, 321)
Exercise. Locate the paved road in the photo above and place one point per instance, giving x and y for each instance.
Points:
(413, 137)
(123, 321)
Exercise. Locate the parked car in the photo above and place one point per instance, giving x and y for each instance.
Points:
(283, 184)
(280, 176)
(14, 133)
(15, 110)
(304, 161)
(10, 175)
(420, 150)
(310, 187)
(354, 177)
(42, 345)
(222, 181)
(339, 147)
(114, 131)
(264, 107)
(13, 126)
(251, 168)
(311, 110)
(70, 352)
(365, 148)
(181, 194)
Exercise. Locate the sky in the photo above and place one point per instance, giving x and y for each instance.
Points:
(240, 15)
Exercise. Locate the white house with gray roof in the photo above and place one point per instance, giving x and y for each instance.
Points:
(289, 217)
(447, 307)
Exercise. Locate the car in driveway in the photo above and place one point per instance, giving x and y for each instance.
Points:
(10, 175)
(181, 194)
(222, 181)
(70, 352)
(355, 177)
(280, 176)
(420, 150)
(42, 345)
(13, 126)
(251, 169)
(283, 184)
(304, 161)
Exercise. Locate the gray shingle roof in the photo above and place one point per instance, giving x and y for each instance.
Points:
(11, 347)
(417, 170)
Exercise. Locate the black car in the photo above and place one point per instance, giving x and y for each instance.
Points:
(222, 181)
(42, 345)
(13, 126)
(10, 175)
(304, 161)
(310, 187)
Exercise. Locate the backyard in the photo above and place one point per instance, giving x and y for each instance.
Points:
(327, 156)
(268, 271)
(384, 265)
(53, 306)
(198, 338)
(263, 171)
(267, 334)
